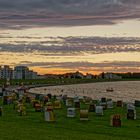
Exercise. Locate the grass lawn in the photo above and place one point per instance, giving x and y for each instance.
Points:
(51, 81)
(33, 126)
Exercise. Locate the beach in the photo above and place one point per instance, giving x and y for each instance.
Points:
(128, 91)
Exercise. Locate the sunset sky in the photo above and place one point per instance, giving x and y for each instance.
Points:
(58, 36)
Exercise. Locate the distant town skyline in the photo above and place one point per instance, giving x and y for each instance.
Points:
(60, 36)
(18, 72)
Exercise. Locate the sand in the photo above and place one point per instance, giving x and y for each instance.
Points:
(128, 91)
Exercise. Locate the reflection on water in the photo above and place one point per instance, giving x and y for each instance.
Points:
(125, 90)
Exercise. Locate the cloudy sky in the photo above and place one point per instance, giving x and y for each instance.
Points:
(57, 36)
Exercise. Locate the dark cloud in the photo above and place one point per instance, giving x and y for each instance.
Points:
(128, 64)
(114, 66)
(29, 13)
(74, 45)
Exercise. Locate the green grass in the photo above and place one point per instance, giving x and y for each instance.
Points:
(51, 81)
(33, 126)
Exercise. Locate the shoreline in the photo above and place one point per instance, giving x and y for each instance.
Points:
(100, 81)
(124, 90)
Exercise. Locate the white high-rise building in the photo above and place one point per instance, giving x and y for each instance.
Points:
(32, 75)
(21, 72)
(6, 72)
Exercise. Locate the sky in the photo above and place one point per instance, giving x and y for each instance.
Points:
(59, 36)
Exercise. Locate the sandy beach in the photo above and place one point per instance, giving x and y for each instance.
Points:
(128, 91)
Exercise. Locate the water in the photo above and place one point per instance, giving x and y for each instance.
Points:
(128, 91)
